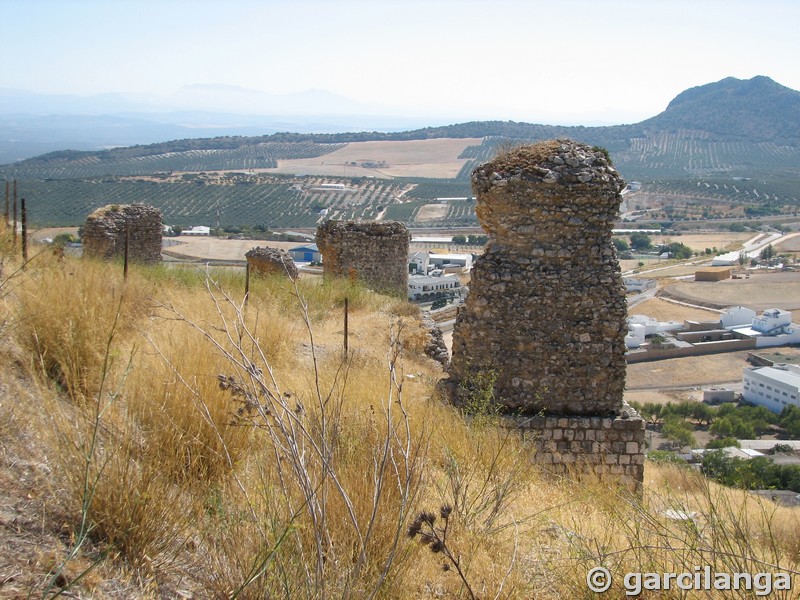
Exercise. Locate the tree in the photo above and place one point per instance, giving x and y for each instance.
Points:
(767, 253)
(679, 432)
(742, 258)
(478, 240)
(620, 244)
(726, 442)
(678, 250)
(459, 239)
(790, 421)
(641, 241)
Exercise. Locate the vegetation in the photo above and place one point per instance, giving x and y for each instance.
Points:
(189, 444)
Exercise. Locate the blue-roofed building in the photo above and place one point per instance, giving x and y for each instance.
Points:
(306, 254)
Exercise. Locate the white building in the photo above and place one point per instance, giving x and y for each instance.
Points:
(640, 326)
(737, 316)
(418, 263)
(425, 287)
(451, 261)
(197, 230)
(773, 328)
(772, 321)
(774, 387)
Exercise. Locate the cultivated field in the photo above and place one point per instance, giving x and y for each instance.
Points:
(432, 212)
(760, 291)
(437, 158)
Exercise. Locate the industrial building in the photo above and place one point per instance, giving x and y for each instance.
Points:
(773, 387)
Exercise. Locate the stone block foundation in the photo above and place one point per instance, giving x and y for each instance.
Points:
(611, 448)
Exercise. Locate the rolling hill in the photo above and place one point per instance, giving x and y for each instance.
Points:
(708, 138)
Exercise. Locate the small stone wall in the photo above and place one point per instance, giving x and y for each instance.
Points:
(373, 252)
(104, 233)
(268, 261)
(609, 447)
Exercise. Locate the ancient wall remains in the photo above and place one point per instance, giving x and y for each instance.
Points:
(546, 309)
(104, 233)
(611, 448)
(269, 261)
(373, 252)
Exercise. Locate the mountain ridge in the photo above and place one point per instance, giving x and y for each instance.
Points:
(756, 110)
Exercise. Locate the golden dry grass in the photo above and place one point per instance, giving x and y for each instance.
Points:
(299, 475)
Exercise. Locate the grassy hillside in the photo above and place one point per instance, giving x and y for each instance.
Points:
(158, 438)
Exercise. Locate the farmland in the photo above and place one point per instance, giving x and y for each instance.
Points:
(685, 178)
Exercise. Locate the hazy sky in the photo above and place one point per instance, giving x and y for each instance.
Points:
(542, 61)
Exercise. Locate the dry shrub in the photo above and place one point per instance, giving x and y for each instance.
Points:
(65, 313)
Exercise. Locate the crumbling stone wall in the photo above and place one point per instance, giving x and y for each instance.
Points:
(546, 309)
(267, 261)
(104, 232)
(374, 252)
(611, 448)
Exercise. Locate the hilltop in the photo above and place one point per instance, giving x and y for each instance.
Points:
(707, 139)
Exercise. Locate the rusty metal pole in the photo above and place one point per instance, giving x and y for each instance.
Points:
(24, 233)
(127, 245)
(346, 316)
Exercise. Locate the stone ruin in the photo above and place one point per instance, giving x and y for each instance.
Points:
(104, 233)
(268, 261)
(373, 252)
(546, 309)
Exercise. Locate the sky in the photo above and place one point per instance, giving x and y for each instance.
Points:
(549, 61)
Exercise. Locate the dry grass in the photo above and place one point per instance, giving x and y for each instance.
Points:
(298, 476)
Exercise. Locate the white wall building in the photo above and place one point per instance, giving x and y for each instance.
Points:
(737, 316)
(444, 261)
(774, 387)
(772, 321)
(418, 263)
(425, 287)
(197, 230)
(640, 326)
(773, 328)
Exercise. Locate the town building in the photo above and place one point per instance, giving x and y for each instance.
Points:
(418, 263)
(774, 387)
(451, 263)
(422, 288)
(197, 230)
(306, 254)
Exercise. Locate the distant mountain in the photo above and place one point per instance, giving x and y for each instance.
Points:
(33, 124)
(731, 128)
(756, 109)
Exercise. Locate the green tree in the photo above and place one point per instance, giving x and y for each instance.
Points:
(640, 241)
(459, 239)
(790, 421)
(620, 244)
(725, 442)
(679, 432)
(767, 253)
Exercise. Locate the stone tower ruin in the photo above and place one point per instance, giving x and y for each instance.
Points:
(546, 309)
(104, 233)
(268, 261)
(373, 252)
